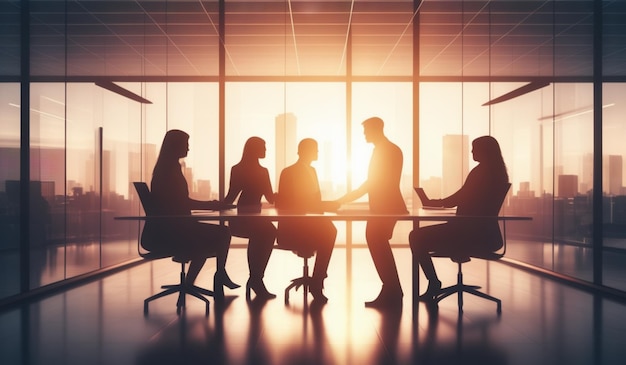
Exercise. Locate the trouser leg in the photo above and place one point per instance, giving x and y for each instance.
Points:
(377, 234)
(326, 244)
(420, 244)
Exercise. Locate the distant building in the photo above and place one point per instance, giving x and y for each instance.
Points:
(204, 189)
(524, 190)
(567, 186)
(612, 178)
(432, 187)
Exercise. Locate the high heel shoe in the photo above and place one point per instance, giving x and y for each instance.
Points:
(259, 289)
(315, 288)
(222, 277)
(221, 280)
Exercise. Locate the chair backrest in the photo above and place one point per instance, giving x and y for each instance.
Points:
(146, 202)
(144, 196)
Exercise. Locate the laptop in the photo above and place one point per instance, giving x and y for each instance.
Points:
(425, 201)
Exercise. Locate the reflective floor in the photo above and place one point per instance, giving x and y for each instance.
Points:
(542, 321)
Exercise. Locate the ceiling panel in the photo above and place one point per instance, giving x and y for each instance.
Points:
(179, 38)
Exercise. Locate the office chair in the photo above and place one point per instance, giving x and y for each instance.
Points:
(305, 279)
(180, 288)
(460, 258)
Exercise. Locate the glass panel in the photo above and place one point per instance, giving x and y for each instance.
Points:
(193, 108)
(121, 132)
(83, 208)
(524, 127)
(103, 129)
(9, 182)
(573, 147)
(393, 103)
(614, 190)
(47, 169)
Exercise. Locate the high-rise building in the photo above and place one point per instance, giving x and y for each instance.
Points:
(568, 186)
(204, 190)
(286, 144)
(455, 162)
(612, 174)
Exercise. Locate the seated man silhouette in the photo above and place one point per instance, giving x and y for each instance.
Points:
(480, 197)
(299, 192)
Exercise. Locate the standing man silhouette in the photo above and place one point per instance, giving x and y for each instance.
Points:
(383, 189)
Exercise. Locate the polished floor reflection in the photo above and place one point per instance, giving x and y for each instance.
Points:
(542, 321)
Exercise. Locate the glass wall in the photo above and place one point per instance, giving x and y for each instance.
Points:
(614, 186)
(292, 70)
(47, 173)
(9, 185)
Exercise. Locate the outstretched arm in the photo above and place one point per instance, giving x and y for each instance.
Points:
(354, 194)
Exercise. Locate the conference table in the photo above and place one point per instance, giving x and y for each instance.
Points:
(415, 215)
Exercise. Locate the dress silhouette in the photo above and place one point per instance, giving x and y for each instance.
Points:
(249, 182)
(182, 237)
(472, 199)
(299, 192)
(383, 189)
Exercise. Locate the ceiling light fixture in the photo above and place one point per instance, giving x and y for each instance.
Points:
(109, 85)
(535, 85)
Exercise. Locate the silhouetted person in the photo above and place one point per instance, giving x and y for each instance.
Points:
(299, 192)
(183, 237)
(383, 189)
(250, 182)
(475, 198)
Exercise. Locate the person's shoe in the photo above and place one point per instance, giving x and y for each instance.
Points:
(387, 298)
(221, 280)
(259, 289)
(224, 280)
(315, 288)
(434, 289)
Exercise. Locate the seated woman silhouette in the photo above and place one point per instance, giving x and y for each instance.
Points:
(250, 182)
(181, 237)
(476, 197)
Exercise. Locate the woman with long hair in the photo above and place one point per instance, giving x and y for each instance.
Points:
(251, 182)
(182, 237)
(474, 198)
